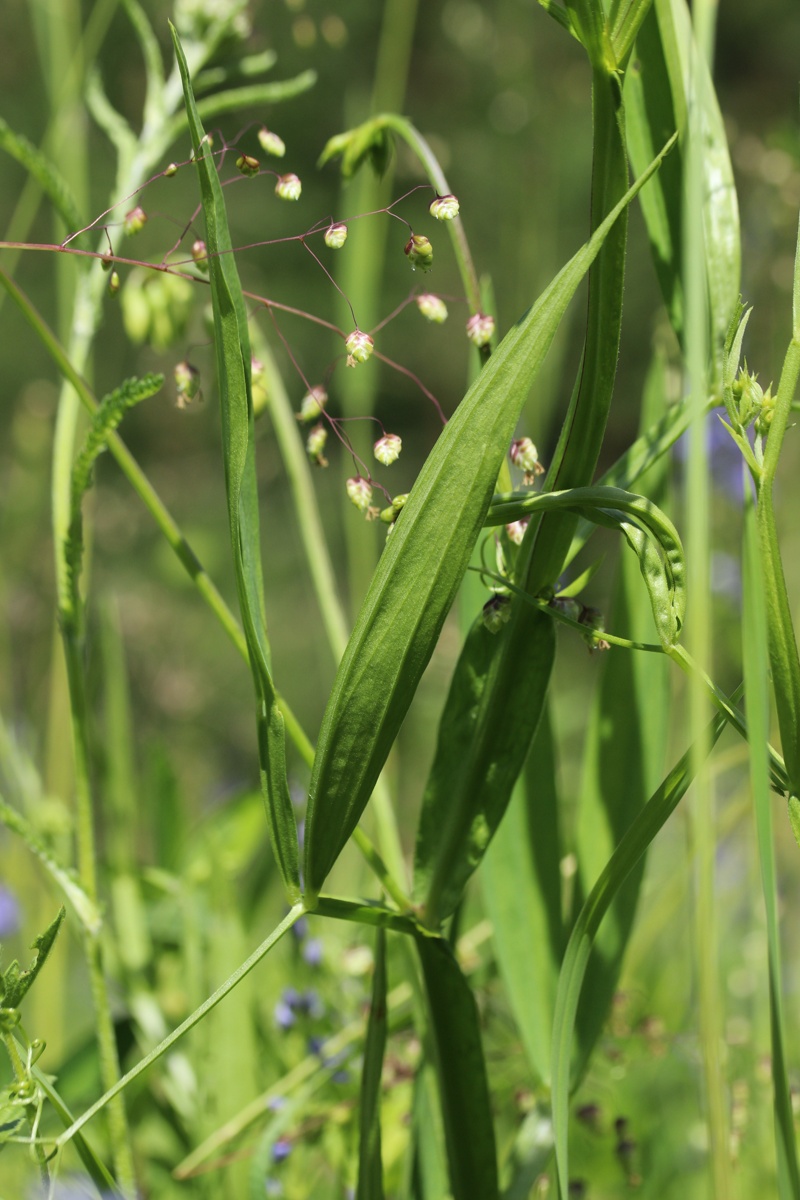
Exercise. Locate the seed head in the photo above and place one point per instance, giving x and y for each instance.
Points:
(387, 449)
(516, 530)
(135, 220)
(187, 383)
(524, 455)
(288, 187)
(200, 255)
(432, 307)
(247, 164)
(444, 208)
(359, 493)
(480, 329)
(389, 515)
(359, 347)
(420, 252)
(313, 403)
(270, 142)
(171, 170)
(113, 283)
(106, 261)
(315, 445)
(336, 236)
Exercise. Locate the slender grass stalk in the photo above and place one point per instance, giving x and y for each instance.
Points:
(703, 819)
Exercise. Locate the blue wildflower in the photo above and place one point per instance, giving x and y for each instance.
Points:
(312, 952)
(281, 1149)
(9, 913)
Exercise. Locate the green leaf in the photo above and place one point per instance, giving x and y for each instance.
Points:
(520, 874)
(420, 571)
(370, 1166)
(370, 142)
(461, 1072)
(15, 982)
(233, 368)
(633, 845)
(477, 760)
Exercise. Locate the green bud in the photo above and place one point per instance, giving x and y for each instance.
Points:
(359, 493)
(432, 307)
(135, 220)
(113, 283)
(270, 142)
(171, 170)
(387, 449)
(313, 403)
(359, 347)
(200, 255)
(315, 444)
(480, 329)
(288, 187)
(336, 236)
(187, 383)
(419, 252)
(106, 261)
(444, 208)
(247, 164)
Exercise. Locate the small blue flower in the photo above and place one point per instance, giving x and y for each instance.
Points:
(9, 913)
(284, 1017)
(300, 929)
(281, 1149)
(312, 952)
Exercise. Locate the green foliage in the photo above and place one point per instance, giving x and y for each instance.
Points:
(15, 982)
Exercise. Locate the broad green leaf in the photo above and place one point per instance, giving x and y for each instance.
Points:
(15, 982)
(521, 878)
(233, 368)
(477, 760)
(420, 570)
(461, 1072)
(370, 1165)
(633, 845)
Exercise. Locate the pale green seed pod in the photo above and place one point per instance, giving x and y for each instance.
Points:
(420, 252)
(288, 187)
(359, 493)
(171, 170)
(336, 236)
(359, 347)
(187, 383)
(315, 445)
(312, 404)
(444, 208)
(433, 308)
(135, 220)
(247, 164)
(270, 142)
(387, 449)
(200, 255)
(480, 329)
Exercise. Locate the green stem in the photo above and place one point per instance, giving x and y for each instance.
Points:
(213, 1000)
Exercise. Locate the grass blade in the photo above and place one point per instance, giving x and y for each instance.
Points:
(421, 568)
(370, 1166)
(461, 1071)
(233, 366)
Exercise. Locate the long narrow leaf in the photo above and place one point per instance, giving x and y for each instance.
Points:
(370, 1166)
(421, 568)
(233, 367)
